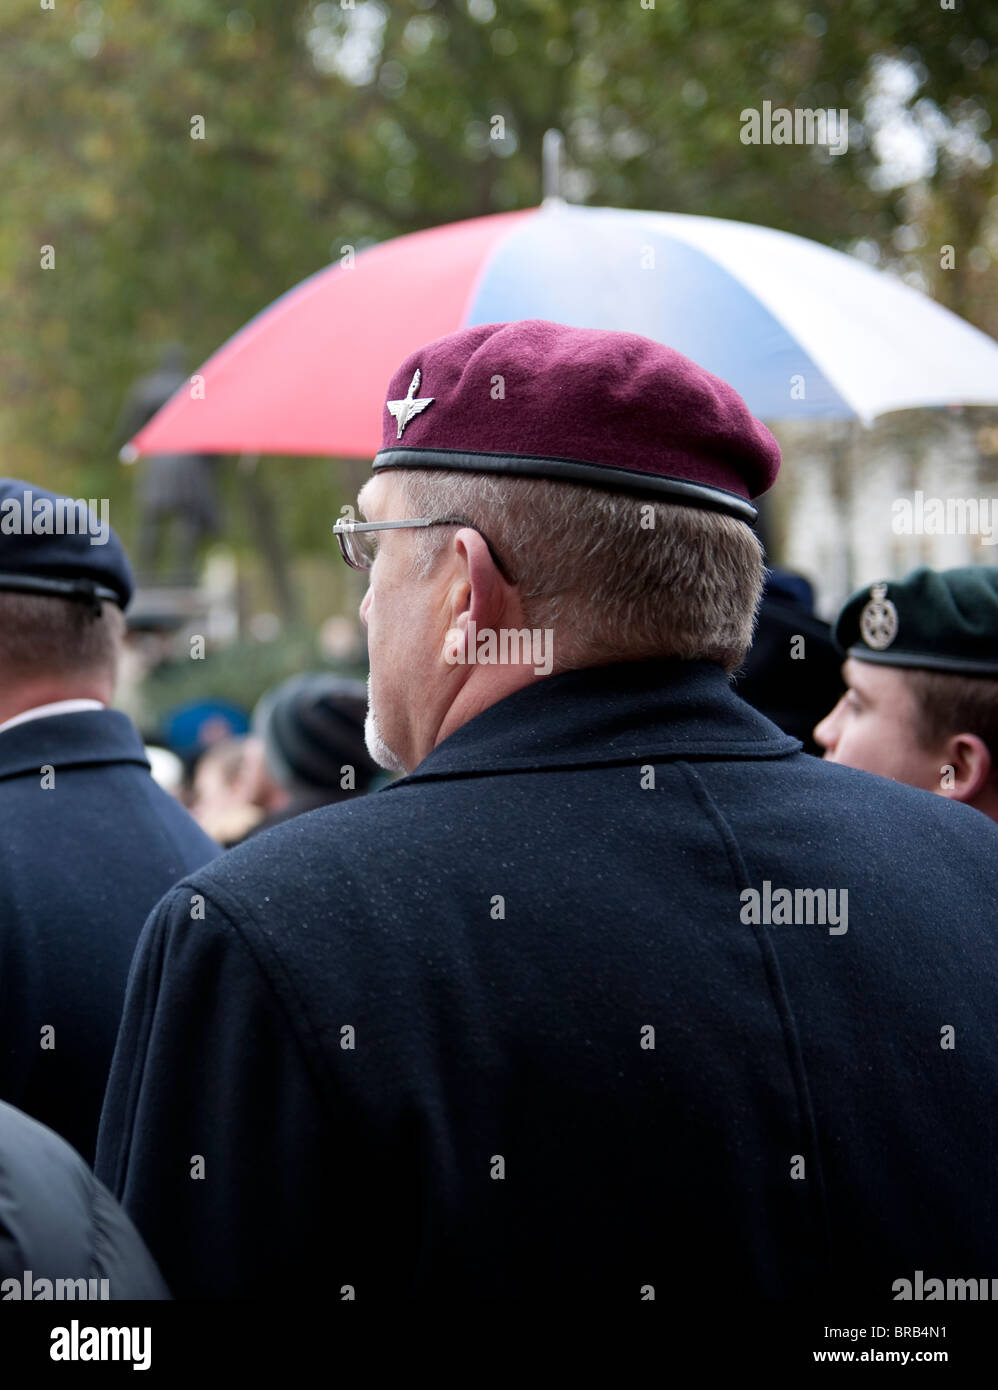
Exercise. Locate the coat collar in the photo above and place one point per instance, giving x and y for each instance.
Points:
(68, 740)
(635, 711)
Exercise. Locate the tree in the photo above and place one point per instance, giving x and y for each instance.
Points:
(186, 162)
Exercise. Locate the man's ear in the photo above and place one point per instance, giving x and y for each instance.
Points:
(481, 592)
(475, 593)
(966, 767)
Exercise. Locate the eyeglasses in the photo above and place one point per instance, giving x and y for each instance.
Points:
(359, 544)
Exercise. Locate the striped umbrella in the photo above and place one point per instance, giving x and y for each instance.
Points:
(798, 329)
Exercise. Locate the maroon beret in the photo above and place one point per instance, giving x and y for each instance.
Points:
(614, 410)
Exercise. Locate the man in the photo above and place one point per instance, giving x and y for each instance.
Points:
(533, 1022)
(921, 704)
(89, 841)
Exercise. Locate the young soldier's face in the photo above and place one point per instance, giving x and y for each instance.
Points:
(874, 726)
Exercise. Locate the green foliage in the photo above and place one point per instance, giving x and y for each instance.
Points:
(239, 673)
(158, 236)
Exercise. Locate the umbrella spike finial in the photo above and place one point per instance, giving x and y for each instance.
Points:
(552, 161)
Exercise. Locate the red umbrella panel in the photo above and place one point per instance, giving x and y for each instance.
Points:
(308, 374)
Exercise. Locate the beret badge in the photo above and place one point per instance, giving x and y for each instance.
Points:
(410, 406)
(878, 622)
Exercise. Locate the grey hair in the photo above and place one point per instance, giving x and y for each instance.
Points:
(614, 577)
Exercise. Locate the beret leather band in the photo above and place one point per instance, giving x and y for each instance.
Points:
(83, 590)
(653, 485)
(918, 661)
(42, 552)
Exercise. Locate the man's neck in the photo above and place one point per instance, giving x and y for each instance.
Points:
(31, 696)
(477, 695)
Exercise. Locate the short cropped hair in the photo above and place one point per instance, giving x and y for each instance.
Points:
(949, 704)
(55, 637)
(615, 577)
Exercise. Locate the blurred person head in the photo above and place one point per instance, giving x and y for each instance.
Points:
(921, 703)
(230, 789)
(792, 673)
(594, 510)
(196, 725)
(312, 733)
(64, 583)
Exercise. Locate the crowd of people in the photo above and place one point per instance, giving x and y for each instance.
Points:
(455, 976)
(306, 750)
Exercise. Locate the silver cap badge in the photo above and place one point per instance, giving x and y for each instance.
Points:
(407, 409)
(878, 622)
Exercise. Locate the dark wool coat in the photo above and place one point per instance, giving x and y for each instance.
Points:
(86, 850)
(513, 1027)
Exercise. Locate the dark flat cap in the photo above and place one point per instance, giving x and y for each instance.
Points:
(933, 620)
(312, 725)
(613, 410)
(60, 546)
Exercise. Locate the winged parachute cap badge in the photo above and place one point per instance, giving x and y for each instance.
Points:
(407, 409)
(878, 622)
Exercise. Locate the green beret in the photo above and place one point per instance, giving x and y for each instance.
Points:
(934, 620)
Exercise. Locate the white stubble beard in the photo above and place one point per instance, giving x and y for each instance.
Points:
(379, 750)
